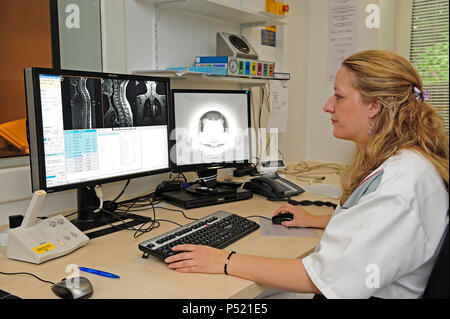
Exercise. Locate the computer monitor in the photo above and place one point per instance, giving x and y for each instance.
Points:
(211, 131)
(89, 128)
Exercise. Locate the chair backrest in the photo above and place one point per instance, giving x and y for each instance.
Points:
(438, 282)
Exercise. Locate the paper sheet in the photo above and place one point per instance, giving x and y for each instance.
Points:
(323, 190)
(269, 229)
(278, 105)
(342, 21)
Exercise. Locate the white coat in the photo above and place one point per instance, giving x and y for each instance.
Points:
(383, 241)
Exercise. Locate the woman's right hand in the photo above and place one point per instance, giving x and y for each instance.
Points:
(301, 217)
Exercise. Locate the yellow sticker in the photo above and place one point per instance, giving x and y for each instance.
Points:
(43, 248)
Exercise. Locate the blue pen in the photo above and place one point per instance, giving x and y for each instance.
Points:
(99, 272)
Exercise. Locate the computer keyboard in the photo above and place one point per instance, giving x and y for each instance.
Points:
(218, 230)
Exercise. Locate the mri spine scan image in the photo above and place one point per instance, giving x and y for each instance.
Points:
(81, 104)
(123, 108)
(109, 103)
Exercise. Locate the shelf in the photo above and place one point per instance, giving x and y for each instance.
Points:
(201, 77)
(224, 11)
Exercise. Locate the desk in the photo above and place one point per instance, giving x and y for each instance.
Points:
(151, 278)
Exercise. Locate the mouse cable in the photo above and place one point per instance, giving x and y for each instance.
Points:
(26, 273)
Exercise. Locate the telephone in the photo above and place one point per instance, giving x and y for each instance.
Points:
(273, 186)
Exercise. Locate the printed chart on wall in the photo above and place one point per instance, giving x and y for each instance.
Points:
(342, 22)
(278, 105)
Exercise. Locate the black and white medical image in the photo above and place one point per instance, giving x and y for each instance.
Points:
(213, 131)
(134, 103)
(91, 103)
(210, 128)
(82, 103)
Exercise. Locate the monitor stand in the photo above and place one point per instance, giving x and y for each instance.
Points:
(87, 219)
(208, 185)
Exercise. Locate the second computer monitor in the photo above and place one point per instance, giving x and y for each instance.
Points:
(211, 129)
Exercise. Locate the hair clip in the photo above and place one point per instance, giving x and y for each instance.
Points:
(421, 95)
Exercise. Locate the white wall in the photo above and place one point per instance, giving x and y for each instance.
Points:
(113, 36)
(321, 145)
(180, 36)
(128, 30)
(296, 40)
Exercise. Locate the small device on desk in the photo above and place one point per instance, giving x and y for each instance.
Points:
(273, 186)
(270, 167)
(38, 241)
(73, 288)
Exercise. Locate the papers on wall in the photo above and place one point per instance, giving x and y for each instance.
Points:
(278, 105)
(342, 32)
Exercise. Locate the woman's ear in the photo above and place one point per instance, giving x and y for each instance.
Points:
(374, 108)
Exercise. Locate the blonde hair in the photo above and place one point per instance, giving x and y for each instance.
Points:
(403, 122)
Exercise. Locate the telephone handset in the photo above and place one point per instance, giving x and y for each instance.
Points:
(273, 187)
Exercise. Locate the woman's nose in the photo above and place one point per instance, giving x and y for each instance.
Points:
(329, 106)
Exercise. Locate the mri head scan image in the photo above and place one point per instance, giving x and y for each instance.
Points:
(213, 130)
(210, 127)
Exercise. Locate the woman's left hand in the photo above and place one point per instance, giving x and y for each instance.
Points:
(197, 258)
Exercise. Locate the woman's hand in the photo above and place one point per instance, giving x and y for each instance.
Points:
(302, 218)
(197, 258)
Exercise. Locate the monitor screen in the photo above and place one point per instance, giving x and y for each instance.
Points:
(212, 129)
(88, 128)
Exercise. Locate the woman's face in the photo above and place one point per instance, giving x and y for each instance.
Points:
(350, 116)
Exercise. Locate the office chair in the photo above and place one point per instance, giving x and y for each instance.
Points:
(438, 282)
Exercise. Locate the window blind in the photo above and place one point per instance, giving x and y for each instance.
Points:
(429, 50)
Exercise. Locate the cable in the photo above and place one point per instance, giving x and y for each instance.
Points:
(307, 173)
(179, 210)
(121, 193)
(170, 221)
(304, 202)
(99, 193)
(27, 273)
(140, 203)
(178, 177)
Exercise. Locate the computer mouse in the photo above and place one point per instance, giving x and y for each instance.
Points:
(282, 217)
(73, 288)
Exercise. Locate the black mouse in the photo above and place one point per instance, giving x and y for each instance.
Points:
(282, 217)
(73, 288)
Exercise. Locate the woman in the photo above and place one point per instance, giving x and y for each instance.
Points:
(382, 239)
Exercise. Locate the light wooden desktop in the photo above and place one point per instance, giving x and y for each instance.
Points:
(151, 278)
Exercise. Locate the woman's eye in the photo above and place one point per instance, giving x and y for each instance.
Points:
(338, 96)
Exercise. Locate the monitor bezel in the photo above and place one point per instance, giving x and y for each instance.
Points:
(213, 165)
(35, 129)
